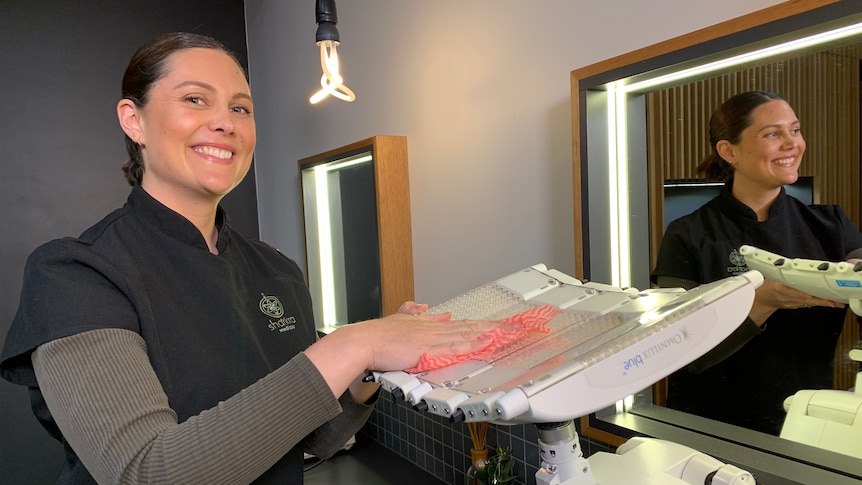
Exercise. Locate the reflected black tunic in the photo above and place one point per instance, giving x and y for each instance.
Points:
(795, 349)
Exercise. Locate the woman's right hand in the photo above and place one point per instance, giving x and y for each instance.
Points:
(773, 295)
(396, 342)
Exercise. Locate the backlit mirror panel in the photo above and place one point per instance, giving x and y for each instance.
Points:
(359, 248)
(341, 240)
(628, 157)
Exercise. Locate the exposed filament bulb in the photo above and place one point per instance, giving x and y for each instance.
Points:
(331, 82)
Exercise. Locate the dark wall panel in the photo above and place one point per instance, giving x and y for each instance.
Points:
(61, 150)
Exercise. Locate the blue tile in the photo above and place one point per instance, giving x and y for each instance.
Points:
(518, 447)
(438, 468)
(447, 437)
(449, 474)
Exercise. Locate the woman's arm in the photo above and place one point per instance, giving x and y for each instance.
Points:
(107, 401)
(328, 439)
(109, 404)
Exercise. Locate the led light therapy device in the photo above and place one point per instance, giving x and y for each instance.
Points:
(604, 343)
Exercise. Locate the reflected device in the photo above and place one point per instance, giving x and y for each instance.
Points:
(604, 344)
(836, 281)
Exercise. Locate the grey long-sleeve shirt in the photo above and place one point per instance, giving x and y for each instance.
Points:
(109, 404)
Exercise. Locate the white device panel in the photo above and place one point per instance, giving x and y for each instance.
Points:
(606, 343)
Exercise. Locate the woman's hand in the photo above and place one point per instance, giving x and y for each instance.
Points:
(773, 295)
(396, 342)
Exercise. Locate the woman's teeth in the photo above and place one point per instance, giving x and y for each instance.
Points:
(214, 152)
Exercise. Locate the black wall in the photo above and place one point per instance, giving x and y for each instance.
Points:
(61, 149)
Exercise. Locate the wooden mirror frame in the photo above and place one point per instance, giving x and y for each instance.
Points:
(670, 52)
(392, 193)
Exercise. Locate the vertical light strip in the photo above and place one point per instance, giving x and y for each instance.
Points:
(622, 162)
(613, 207)
(618, 186)
(324, 234)
(324, 241)
(625, 404)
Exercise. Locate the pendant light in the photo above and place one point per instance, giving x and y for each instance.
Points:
(331, 82)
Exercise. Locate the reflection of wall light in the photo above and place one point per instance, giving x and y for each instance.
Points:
(618, 155)
(324, 234)
(757, 55)
(625, 404)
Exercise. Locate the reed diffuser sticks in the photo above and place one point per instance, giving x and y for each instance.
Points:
(478, 452)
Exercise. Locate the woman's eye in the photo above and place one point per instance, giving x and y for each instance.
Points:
(241, 109)
(195, 99)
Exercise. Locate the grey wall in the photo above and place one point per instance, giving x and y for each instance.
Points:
(62, 148)
(481, 89)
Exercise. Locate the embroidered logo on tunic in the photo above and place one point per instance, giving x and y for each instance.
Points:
(738, 263)
(272, 307)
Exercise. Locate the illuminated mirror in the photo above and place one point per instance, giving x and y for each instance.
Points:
(356, 212)
(626, 108)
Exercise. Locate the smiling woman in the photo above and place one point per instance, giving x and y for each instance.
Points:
(163, 329)
(194, 131)
(757, 143)
(757, 147)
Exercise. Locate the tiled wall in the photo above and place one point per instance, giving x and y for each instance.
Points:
(443, 449)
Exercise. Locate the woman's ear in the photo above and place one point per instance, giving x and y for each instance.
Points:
(130, 120)
(726, 151)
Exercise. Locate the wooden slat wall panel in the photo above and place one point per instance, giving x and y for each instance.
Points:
(824, 90)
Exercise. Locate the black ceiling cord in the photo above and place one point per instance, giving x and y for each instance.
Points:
(326, 17)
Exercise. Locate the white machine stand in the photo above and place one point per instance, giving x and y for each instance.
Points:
(648, 461)
(827, 418)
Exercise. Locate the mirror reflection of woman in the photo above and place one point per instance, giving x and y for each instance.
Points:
(162, 346)
(788, 341)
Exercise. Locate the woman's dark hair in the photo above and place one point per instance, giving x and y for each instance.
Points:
(727, 123)
(146, 67)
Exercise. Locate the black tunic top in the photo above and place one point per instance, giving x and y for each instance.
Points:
(795, 349)
(213, 324)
